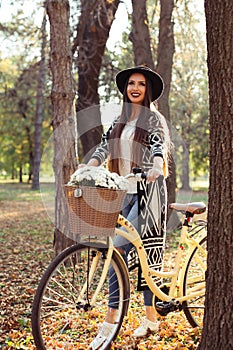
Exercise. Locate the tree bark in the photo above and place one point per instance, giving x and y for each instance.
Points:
(140, 35)
(166, 49)
(39, 111)
(92, 37)
(218, 322)
(63, 94)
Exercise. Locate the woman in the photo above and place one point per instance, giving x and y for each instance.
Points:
(138, 137)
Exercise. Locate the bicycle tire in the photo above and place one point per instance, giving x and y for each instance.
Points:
(194, 277)
(59, 320)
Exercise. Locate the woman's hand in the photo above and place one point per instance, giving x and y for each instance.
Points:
(82, 165)
(153, 174)
(156, 170)
(92, 162)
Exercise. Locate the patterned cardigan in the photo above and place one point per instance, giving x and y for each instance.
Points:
(152, 199)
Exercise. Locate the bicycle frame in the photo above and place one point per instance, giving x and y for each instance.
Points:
(176, 275)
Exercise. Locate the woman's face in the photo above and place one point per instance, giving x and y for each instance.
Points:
(136, 88)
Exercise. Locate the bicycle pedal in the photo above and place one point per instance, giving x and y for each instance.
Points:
(164, 307)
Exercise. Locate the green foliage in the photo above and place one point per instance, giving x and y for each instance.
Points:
(189, 90)
(17, 113)
(12, 191)
(113, 61)
(18, 91)
(188, 96)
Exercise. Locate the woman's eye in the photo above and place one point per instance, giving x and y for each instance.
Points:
(141, 83)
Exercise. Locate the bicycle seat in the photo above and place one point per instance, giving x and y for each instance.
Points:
(193, 208)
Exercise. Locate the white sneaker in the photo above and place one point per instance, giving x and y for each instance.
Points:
(145, 327)
(104, 332)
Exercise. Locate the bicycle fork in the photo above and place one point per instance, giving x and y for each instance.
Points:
(106, 255)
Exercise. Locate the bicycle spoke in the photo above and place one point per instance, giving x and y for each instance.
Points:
(194, 285)
(63, 310)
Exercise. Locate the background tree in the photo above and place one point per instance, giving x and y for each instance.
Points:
(19, 108)
(92, 33)
(19, 75)
(39, 110)
(189, 93)
(218, 323)
(166, 48)
(140, 35)
(63, 93)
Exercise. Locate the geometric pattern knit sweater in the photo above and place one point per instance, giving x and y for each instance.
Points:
(152, 198)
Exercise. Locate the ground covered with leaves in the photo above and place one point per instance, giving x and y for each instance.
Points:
(26, 235)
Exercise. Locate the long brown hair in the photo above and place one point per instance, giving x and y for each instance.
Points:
(141, 131)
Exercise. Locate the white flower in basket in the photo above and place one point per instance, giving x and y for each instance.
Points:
(98, 177)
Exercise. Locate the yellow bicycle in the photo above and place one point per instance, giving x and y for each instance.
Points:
(72, 297)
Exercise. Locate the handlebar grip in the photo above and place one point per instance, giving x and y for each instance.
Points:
(143, 175)
(137, 170)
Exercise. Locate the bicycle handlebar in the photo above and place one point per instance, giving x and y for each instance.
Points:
(138, 173)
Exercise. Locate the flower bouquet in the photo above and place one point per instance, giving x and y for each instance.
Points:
(98, 177)
(95, 197)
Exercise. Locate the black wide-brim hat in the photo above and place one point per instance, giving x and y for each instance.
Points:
(156, 80)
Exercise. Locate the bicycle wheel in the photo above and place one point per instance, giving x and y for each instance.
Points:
(64, 315)
(194, 282)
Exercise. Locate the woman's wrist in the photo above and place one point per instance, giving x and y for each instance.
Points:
(157, 163)
(157, 169)
(93, 162)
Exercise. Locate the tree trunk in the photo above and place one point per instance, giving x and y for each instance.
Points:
(20, 173)
(218, 322)
(30, 149)
(39, 111)
(186, 130)
(140, 35)
(12, 170)
(166, 48)
(185, 168)
(63, 93)
(92, 37)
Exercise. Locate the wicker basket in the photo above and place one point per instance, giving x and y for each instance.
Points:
(93, 211)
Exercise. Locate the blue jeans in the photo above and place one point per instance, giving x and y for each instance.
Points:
(129, 211)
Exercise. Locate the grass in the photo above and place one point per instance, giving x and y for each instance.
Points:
(11, 191)
(192, 196)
